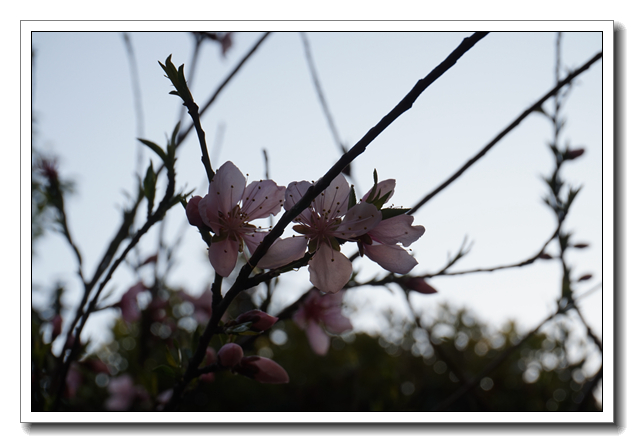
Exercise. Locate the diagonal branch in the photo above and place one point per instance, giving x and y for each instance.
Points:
(534, 107)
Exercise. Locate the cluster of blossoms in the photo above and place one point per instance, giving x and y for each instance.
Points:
(333, 218)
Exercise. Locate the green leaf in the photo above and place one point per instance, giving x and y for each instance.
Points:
(238, 329)
(380, 200)
(175, 133)
(352, 197)
(392, 212)
(154, 147)
(149, 186)
(171, 358)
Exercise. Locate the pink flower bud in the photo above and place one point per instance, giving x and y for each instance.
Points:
(230, 355)
(129, 306)
(585, 277)
(209, 377)
(261, 321)
(262, 369)
(417, 284)
(193, 215)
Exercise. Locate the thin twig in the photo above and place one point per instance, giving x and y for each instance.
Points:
(535, 106)
(525, 262)
(594, 338)
(136, 92)
(154, 218)
(320, 93)
(183, 134)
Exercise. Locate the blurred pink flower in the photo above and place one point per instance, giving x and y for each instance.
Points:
(73, 380)
(163, 398)
(122, 393)
(129, 305)
(319, 312)
(229, 207)
(262, 369)
(325, 221)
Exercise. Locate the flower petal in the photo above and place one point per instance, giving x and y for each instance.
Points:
(391, 257)
(329, 270)
(335, 322)
(294, 192)
(333, 202)
(262, 199)
(283, 252)
(193, 214)
(397, 229)
(253, 240)
(359, 220)
(226, 188)
(223, 256)
(209, 213)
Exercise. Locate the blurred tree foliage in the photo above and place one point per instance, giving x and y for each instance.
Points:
(359, 373)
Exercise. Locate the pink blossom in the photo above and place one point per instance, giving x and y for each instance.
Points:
(319, 312)
(163, 398)
(129, 305)
(261, 321)
(73, 380)
(262, 369)
(230, 355)
(122, 393)
(322, 224)
(229, 207)
(381, 245)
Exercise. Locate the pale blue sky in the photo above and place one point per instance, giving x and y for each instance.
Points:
(84, 108)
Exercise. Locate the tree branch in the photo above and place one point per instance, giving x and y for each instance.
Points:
(535, 106)
(312, 192)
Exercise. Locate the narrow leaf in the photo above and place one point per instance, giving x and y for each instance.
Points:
(154, 147)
